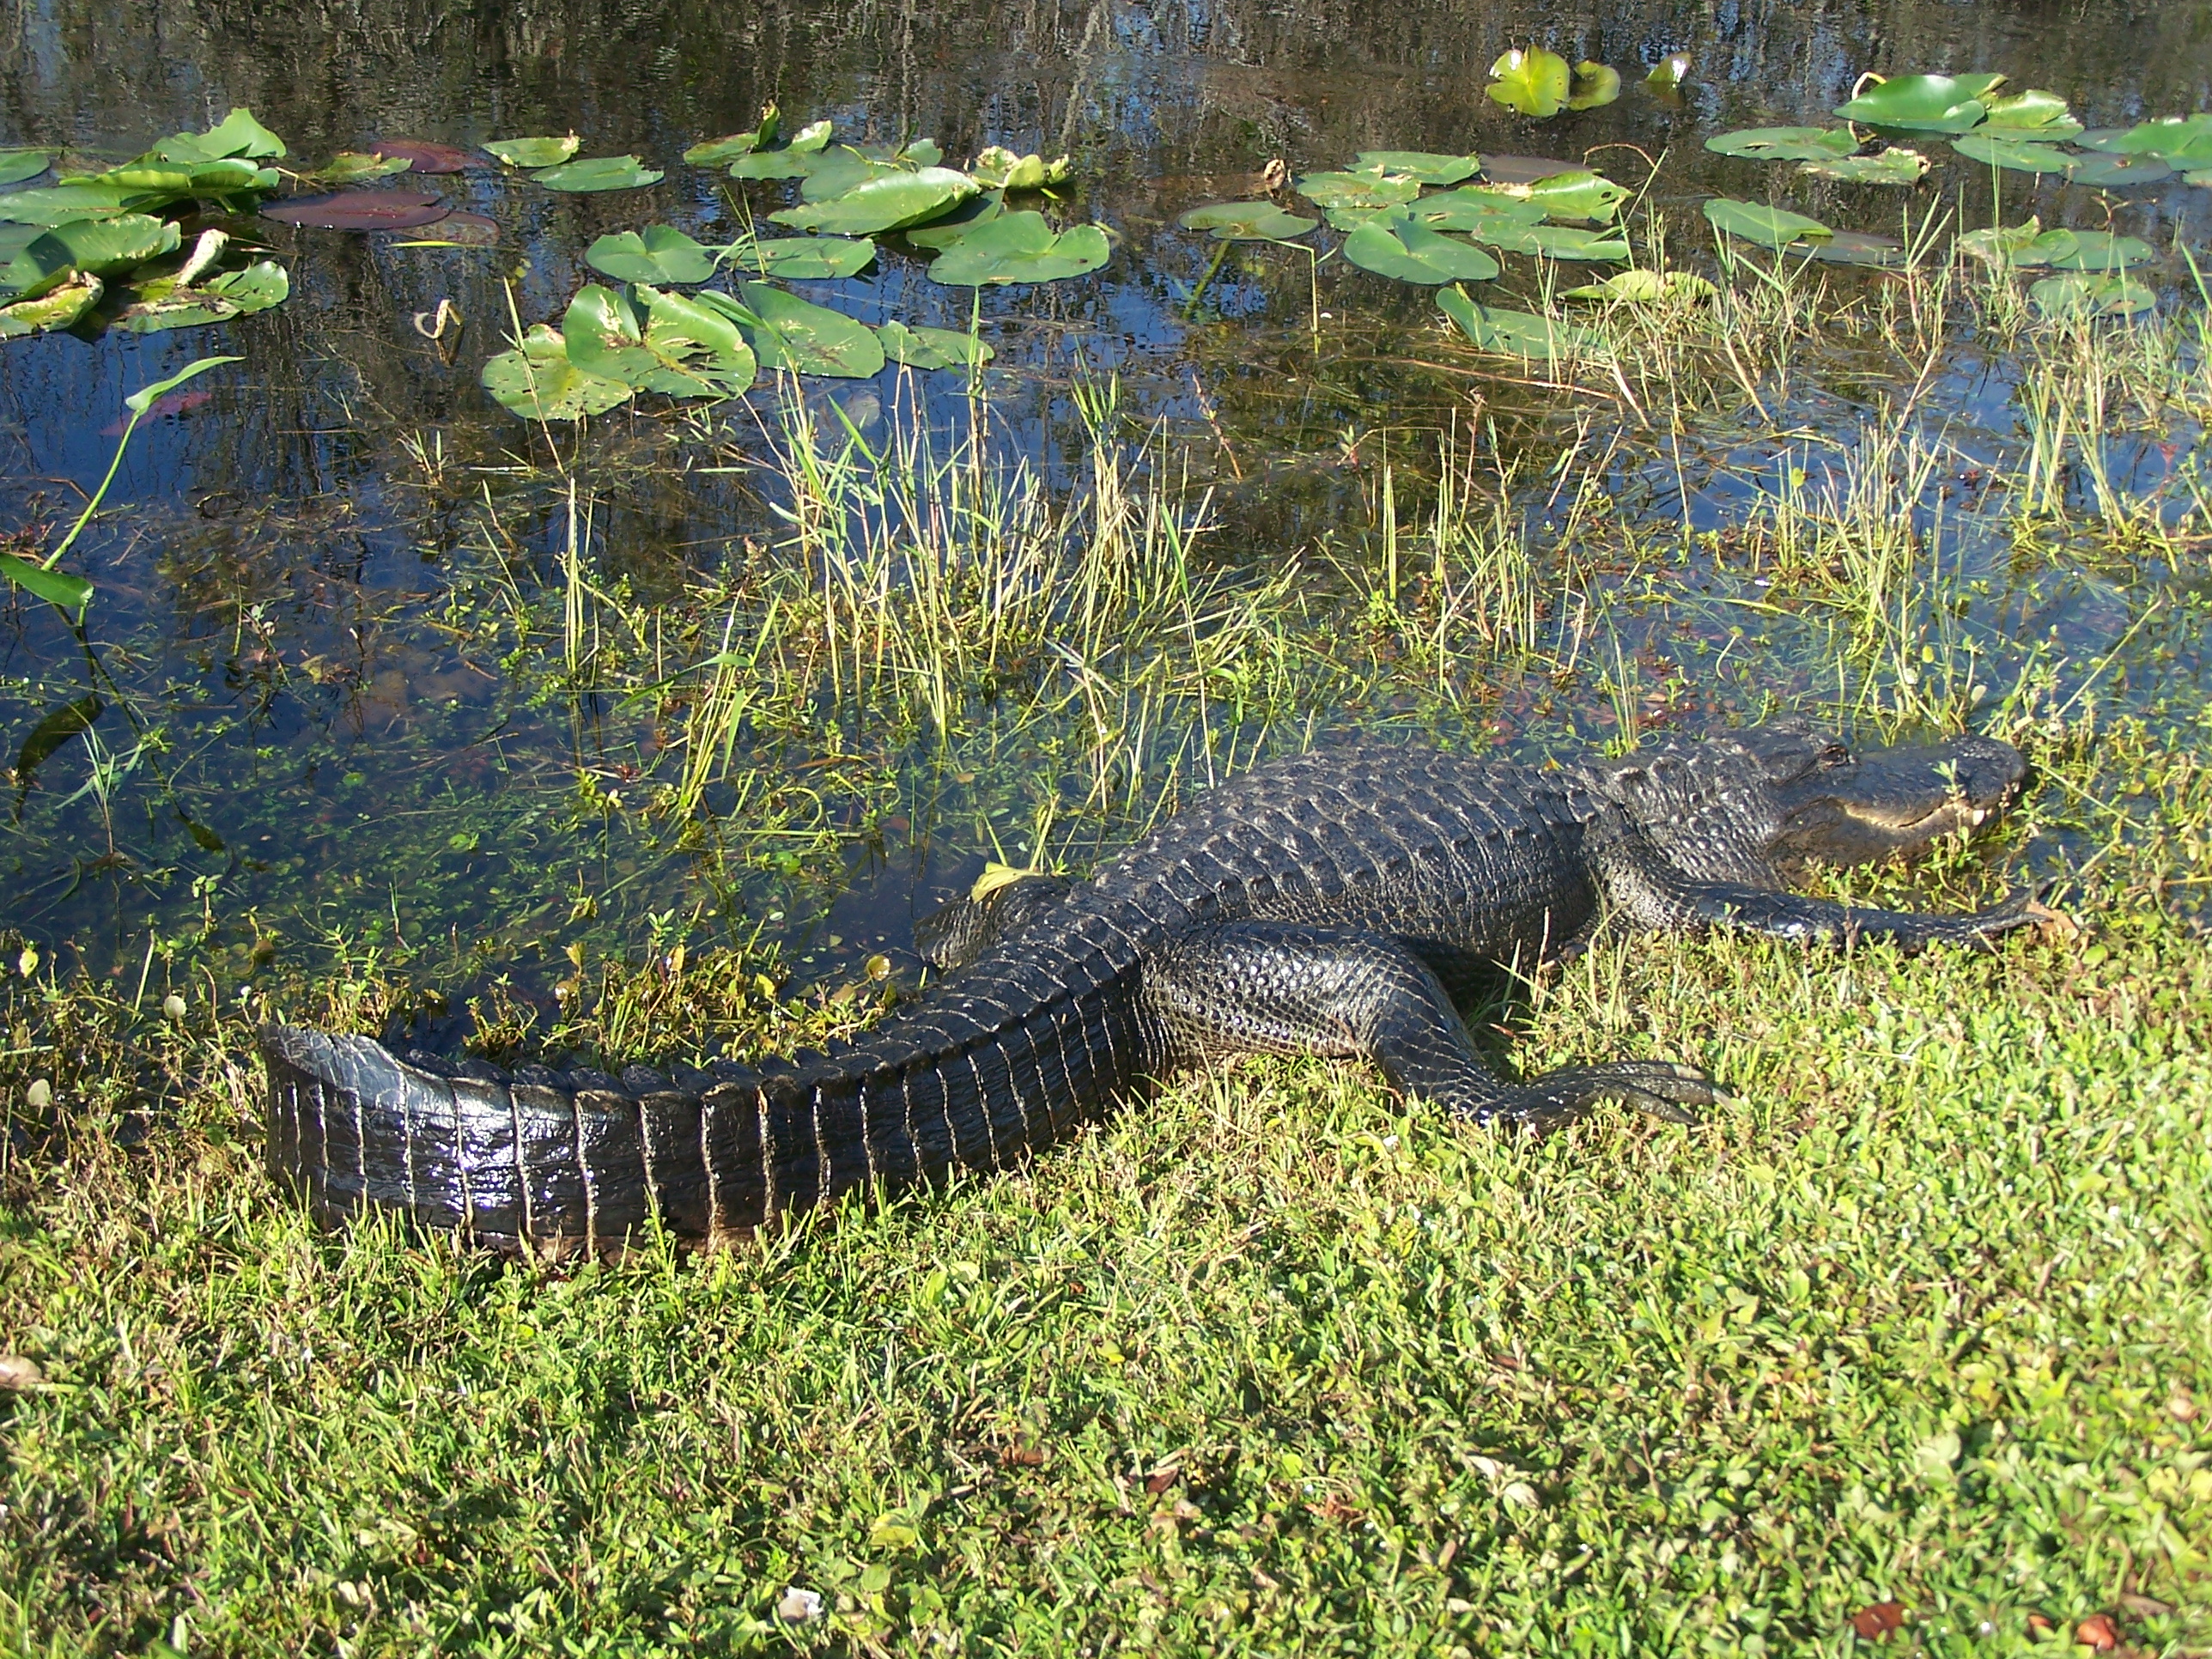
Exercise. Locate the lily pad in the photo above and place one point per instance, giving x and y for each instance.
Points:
(1785, 143)
(1021, 248)
(1474, 208)
(1556, 241)
(162, 307)
(350, 166)
(1371, 187)
(1535, 82)
(2013, 154)
(814, 136)
(2117, 171)
(534, 153)
(1894, 165)
(1391, 245)
(658, 253)
(2000, 246)
(714, 152)
(17, 164)
(658, 342)
(599, 172)
(794, 334)
(1502, 170)
(1647, 287)
(2030, 114)
(360, 209)
(538, 382)
(56, 204)
(834, 172)
(971, 215)
(777, 164)
(1593, 85)
(807, 258)
(884, 203)
(1246, 222)
(2184, 142)
(932, 348)
(2086, 250)
(57, 307)
(1855, 247)
(1511, 333)
(422, 157)
(237, 134)
(1923, 103)
(2079, 294)
(1426, 165)
(1769, 226)
(1578, 196)
(995, 168)
(1667, 74)
(104, 248)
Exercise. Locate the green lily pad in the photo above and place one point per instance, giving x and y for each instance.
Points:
(1769, 226)
(884, 203)
(537, 381)
(932, 348)
(17, 164)
(1021, 248)
(1425, 166)
(1556, 241)
(833, 172)
(794, 334)
(57, 307)
(351, 167)
(995, 168)
(1923, 103)
(658, 253)
(1474, 208)
(1593, 85)
(807, 258)
(1511, 333)
(2086, 250)
(673, 345)
(160, 306)
(715, 151)
(1894, 165)
(2000, 246)
(1367, 188)
(1390, 245)
(1577, 195)
(599, 172)
(104, 248)
(1246, 222)
(56, 204)
(1785, 143)
(1856, 247)
(2079, 294)
(785, 163)
(1647, 287)
(2117, 171)
(1667, 74)
(2184, 142)
(237, 134)
(971, 215)
(2013, 154)
(1500, 170)
(535, 153)
(1535, 82)
(2030, 114)
(814, 136)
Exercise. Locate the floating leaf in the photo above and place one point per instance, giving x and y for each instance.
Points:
(1785, 143)
(535, 153)
(1577, 195)
(57, 307)
(995, 168)
(360, 209)
(931, 348)
(716, 151)
(599, 172)
(884, 204)
(658, 253)
(2013, 154)
(2086, 250)
(1555, 241)
(1021, 248)
(1923, 103)
(354, 167)
(834, 172)
(1535, 82)
(1246, 222)
(1593, 85)
(1854, 247)
(2184, 142)
(1367, 188)
(1647, 287)
(775, 164)
(1474, 208)
(1769, 226)
(17, 164)
(72, 593)
(1426, 165)
(807, 258)
(815, 135)
(1668, 73)
(1511, 333)
(539, 383)
(106, 247)
(1391, 245)
(2031, 114)
(1894, 165)
(1503, 170)
(162, 307)
(971, 215)
(2079, 294)
(2117, 171)
(2000, 246)
(794, 334)
(422, 157)
(56, 204)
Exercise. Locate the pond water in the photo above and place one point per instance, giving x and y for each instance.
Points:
(382, 669)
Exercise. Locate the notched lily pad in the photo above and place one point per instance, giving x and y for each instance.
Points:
(2079, 294)
(360, 209)
(1369, 187)
(2033, 113)
(1503, 170)
(890, 201)
(1923, 103)
(2000, 246)
(1246, 222)
(1021, 248)
(2012, 155)
(1593, 85)
(599, 172)
(716, 152)
(18, 165)
(1577, 196)
(57, 307)
(1667, 74)
(796, 335)
(1511, 333)
(2182, 141)
(658, 342)
(1556, 241)
(537, 381)
(1533, 81)
(2117, 171)
(997, 168)
(1768, 227)
(931, 348)
(534, 152)
(807, 258)
(1391, 245)
(164, 306)
(658, 253)
(1894, 165)
(351, 167)
(1474, 208)
(1785, 143)
(1425, 166)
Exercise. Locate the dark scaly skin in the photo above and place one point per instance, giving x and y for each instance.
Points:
(1335, 904)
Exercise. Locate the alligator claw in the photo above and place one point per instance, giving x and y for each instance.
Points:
(1659, 1089)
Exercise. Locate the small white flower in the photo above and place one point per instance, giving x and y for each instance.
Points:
(799, 1607)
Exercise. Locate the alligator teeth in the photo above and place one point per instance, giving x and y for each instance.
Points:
(1978, 814)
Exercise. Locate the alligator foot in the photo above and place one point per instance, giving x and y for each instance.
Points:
(1653, 1087)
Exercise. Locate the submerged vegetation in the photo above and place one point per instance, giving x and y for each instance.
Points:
(639, 726)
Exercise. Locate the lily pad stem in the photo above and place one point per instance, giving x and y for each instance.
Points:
(1190, 309)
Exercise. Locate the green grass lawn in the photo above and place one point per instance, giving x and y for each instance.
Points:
(1269, 1365)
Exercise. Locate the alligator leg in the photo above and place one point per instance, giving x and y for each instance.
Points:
(1280, 988)
(1650, 892)
(960, 930)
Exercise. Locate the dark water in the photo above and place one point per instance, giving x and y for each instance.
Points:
(296, 747)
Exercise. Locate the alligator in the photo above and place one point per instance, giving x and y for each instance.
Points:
(1348, 901)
